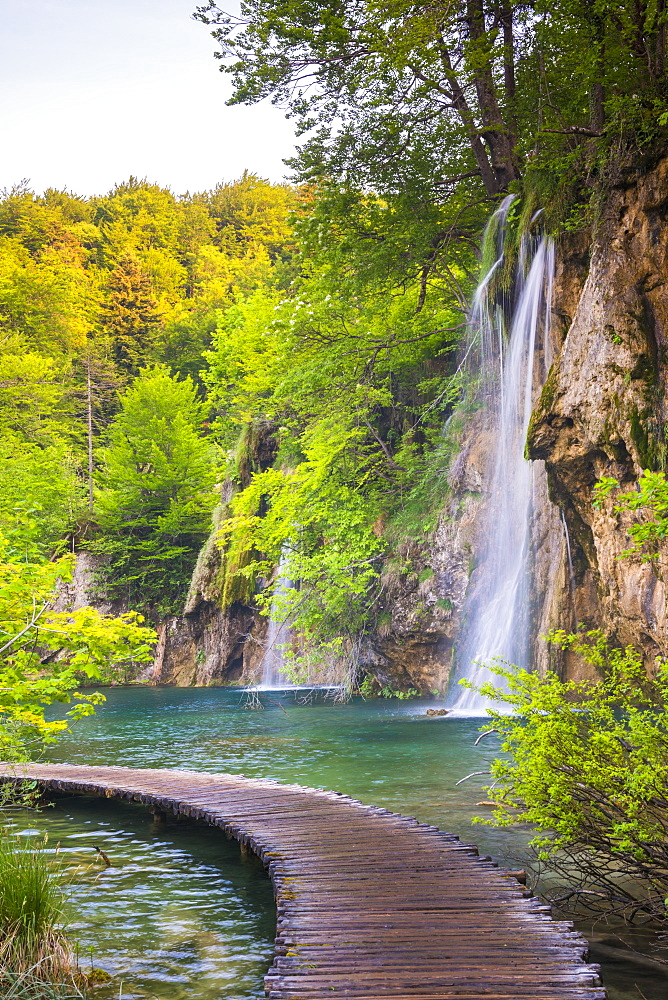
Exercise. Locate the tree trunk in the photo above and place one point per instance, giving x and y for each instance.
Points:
(509, 61)
(90, 436)
(487, 173)
(498, 136)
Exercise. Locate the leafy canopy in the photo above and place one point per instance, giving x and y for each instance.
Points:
(157, 492)
(340, 366)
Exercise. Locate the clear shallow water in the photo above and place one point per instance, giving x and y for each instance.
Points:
(384, 752)
(182, 916)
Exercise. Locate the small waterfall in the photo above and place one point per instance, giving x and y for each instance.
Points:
(496, 612)
(571, 571)
(278, 632)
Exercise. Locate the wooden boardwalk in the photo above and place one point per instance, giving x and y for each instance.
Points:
(370, 904)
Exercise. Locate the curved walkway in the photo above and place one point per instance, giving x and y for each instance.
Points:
(371, 904)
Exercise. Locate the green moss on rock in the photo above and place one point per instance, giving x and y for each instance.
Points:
(543, 409)
(649, 440)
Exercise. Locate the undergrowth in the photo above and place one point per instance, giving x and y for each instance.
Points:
(427, 486)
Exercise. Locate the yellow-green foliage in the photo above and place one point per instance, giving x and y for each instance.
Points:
(586, 764)
(649, 498)
(91, 292)
(80, 644)
(323, 524)
(351, 381)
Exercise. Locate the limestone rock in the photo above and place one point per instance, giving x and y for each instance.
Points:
(209, 646)
(603, 412)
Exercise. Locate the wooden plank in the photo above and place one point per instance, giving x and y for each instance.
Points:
(371, 905)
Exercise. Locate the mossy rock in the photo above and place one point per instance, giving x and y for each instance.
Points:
(649, 440)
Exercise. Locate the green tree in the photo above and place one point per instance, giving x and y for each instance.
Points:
(157, 492)
(449, 104)
(39, 486)
(130, 318)
(46, 654)
(250, 213)
(648, 503)
(137, 215)
(35, 405)
(389, 76)
(338, 366)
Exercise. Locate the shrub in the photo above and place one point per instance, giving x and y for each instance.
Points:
(587, 766)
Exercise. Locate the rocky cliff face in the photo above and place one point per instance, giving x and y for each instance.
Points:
(603, 409)
(205, 645)
(209, 644)
(427, 604)
(425, 584)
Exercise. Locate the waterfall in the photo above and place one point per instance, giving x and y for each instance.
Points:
(278, 632)
(496, 613)
(571, 571)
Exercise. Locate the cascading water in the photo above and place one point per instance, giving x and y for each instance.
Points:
(278, 632)
(571, 570)
(496, 607)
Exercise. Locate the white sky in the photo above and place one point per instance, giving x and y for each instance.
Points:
(92, 91)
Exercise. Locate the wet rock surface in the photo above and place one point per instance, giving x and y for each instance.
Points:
(603, 412)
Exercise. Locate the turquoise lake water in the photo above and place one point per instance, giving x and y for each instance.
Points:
(182, 915)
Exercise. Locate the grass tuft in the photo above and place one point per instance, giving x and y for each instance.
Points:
(35, 955)
(28, 986)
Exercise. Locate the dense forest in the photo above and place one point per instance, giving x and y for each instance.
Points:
(147, 337)
(93, 294)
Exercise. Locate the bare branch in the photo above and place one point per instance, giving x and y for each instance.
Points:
(473, 774)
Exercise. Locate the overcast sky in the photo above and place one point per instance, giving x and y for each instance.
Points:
(95, 90)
